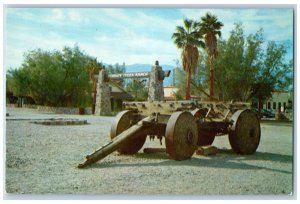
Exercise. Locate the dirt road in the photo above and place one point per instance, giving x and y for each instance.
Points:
(43, 159)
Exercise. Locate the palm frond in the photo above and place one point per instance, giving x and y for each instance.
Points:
(180, 29)
(219, 33)
(188, 23)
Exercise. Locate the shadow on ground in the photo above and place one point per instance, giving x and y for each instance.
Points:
(224, 159)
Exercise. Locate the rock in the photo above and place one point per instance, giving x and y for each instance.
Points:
(207, 150)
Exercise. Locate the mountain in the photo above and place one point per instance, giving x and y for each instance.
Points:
(168, 81)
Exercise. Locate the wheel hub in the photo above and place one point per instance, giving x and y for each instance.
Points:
(190, 137)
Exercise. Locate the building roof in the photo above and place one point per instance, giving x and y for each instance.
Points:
(124, 96)
(117, 92)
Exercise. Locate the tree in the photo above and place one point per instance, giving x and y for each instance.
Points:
(188, 38)
(53, 78)
(237, 64)
(117, 69)
(244, 69)
(75, 79)
(260, 91)
(17, 82)
(138, 89)
(273, 74)
(198, 80)
(210, 27)
(93, 67)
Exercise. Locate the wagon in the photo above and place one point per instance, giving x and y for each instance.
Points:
(185, 126)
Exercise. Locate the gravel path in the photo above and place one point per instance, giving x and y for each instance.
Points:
(43, 159)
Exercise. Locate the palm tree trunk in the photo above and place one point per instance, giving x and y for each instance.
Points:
(94, 95)
(211, 78)
(188, 86)
(260, 104)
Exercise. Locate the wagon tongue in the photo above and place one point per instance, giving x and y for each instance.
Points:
(115, 143)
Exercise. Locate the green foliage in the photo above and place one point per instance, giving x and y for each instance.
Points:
(210, 27)
(17, 82)
(188, 38)
(93, 67)
(244, 66)
(188, 34)
(138, 89)
(244, 70)
(117, 69)
(230, 68)
(53, 78)
(199, 81)
(180, 83)
(273, 73)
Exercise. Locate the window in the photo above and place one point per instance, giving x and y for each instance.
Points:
(284, 105)
(274, 105)
(279, 106)
(269, 105)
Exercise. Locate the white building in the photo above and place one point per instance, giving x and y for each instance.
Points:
(169, 93)
(278, 101)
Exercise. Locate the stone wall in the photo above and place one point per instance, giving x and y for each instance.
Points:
(57, 110)
(103, 104)
(64, 110)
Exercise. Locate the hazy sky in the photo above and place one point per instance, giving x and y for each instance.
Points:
(130, 35)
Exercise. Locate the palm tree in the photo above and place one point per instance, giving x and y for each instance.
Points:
(210, 27)
(188, 38)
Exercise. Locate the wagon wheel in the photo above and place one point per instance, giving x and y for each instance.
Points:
(244, 134)
(123, 121)
(181, 135)
(204, 138)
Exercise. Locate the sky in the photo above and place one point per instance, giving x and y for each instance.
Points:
(130, 35)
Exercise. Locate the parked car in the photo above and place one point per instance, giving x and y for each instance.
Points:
(267, 113)
(264, 113)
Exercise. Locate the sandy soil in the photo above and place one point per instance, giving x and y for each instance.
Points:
(43, 160)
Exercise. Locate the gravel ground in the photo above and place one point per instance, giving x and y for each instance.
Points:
(43, 159)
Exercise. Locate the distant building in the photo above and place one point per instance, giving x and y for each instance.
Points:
(278, 102)
(117, 96)
(169, 93)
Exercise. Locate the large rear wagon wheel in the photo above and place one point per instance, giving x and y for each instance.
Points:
(123, 121)
(244, 134)
(181, 136)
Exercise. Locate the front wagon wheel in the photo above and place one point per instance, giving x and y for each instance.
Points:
(123, 121)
